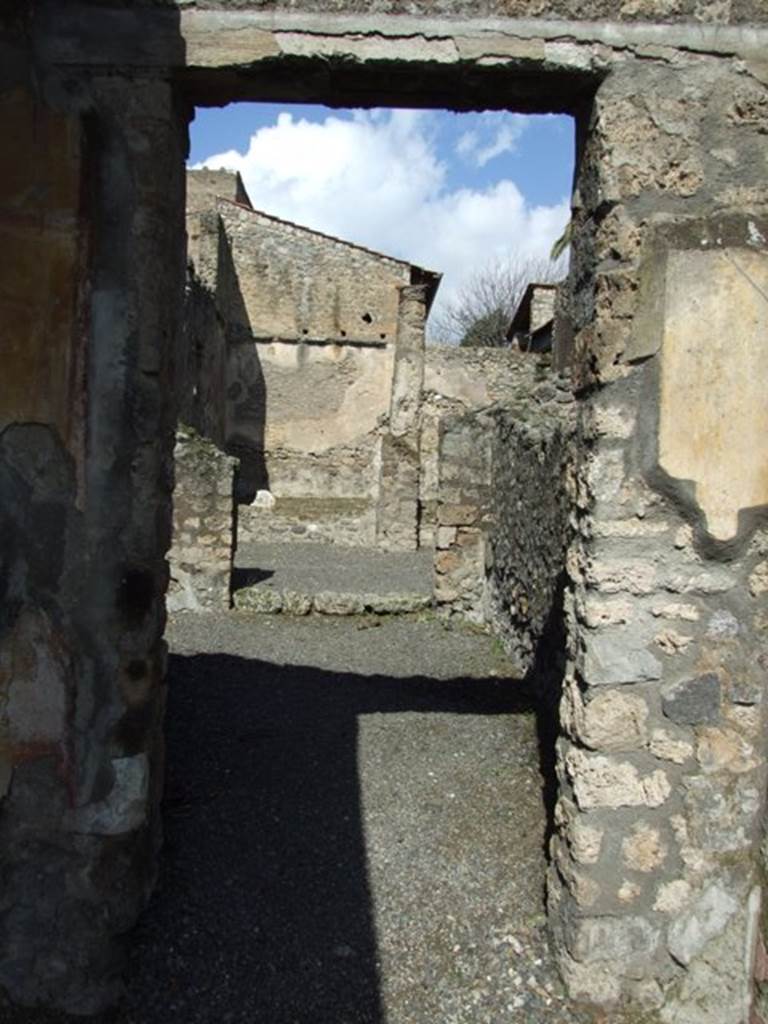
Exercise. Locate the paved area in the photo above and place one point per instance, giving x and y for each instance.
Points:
(328, 578)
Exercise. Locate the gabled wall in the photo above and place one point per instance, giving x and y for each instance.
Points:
(291, 355)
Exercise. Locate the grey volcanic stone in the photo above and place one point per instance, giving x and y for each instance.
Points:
(599, 938)
(258, 599)
(608, 662)
(295, 603)
(698, 924)
(329, 603)
(693, 701)
(392, 604)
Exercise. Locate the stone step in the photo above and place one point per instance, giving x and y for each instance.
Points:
(261, 599)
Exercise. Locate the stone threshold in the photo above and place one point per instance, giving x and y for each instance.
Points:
(266, 601)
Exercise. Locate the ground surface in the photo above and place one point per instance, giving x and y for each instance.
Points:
(354, 832)
(315, 568)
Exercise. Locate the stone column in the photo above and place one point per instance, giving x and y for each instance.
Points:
(86, 476)
(398, 493)
(654, 890)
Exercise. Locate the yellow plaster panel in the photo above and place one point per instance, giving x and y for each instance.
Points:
(713, 418)
(40, 190)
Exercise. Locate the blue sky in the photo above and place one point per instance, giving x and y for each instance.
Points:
(451, 192)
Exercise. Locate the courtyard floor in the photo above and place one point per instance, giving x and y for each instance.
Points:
(354, 831)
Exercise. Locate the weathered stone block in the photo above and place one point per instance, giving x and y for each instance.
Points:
(758, 579)
(668, 747)
(672, 642)
(693, 701)
(458, 515)
(722, 749)
(628, 938)
(675, 610)
(614, 577)
(584, 840)
(612, 721)
(617, 657)
(445, 536)
(721, 819)
(701, 921)
(328, 603)
(599, 781)
(393, 604)
(672, 896)
(448, 561)
(643, 850)
(295, 603)
(261, 600)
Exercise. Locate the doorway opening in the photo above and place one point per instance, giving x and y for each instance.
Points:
(356, 754)
(338, 310)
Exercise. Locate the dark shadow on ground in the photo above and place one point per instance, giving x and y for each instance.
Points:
(263, 912)
(249, 577)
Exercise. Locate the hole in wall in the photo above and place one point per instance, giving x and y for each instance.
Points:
(135, 595)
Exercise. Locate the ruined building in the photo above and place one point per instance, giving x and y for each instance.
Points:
(656, 877)
(532, 326)
(292, 361)
(304, 358)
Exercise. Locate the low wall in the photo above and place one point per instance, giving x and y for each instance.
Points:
(349, 522)
(203, 526)
(502, 514)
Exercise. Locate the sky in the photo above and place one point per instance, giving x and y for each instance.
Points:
(450, 192)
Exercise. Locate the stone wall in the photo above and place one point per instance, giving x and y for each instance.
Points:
(628, 11)
(458, 380)
(503, 509)
(327, 406)
(542, 306)
(201, 556)
(662, 761)
(289, 363)
(92, 210)
(300, 284)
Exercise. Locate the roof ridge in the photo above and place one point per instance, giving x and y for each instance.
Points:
(325, 234)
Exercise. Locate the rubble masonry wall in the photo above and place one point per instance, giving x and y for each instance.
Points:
(457, 380)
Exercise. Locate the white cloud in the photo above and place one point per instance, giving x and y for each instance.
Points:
(467, 144)
(493, 135)
(375, 178)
